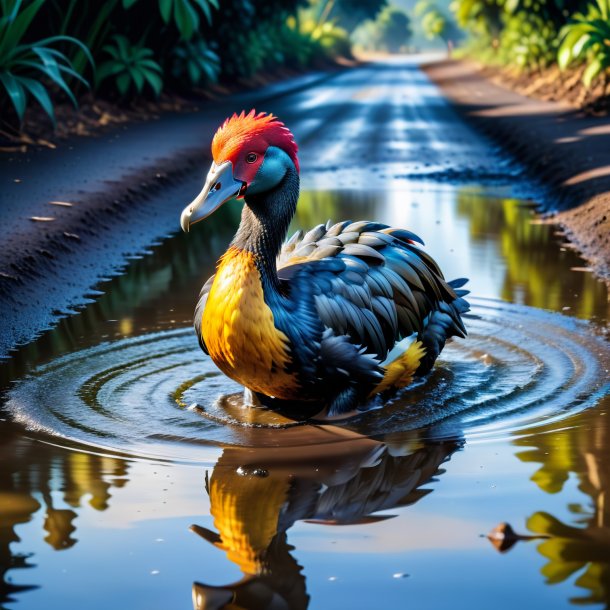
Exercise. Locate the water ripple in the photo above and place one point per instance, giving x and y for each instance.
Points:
(158, 396)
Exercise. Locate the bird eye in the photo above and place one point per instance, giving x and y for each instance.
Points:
(251, 157)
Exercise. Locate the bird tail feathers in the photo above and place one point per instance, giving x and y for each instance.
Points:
(400, 371)
(442, 324)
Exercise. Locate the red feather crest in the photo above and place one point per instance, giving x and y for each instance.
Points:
(254, 130)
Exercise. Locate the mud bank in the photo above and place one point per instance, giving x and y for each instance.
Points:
(564, 149)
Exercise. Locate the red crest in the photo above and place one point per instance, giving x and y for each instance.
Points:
(245, 133)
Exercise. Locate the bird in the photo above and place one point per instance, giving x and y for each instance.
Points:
(257, 493)
(326, 321)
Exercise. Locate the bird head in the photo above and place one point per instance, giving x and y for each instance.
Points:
(252, 153)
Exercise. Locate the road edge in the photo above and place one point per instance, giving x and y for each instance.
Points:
(533, 131)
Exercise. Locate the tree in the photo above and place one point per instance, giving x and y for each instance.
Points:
(394, 28)
(349, 14)
(434, 24)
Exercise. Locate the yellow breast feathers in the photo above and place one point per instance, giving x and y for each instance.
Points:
(238, 329)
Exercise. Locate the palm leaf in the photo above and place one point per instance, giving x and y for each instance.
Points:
(15, 92)
(154, 80)
(41, 95)
(53, 72)
(18, 25)
(165, 8)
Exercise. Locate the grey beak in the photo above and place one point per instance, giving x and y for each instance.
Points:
(220, 186)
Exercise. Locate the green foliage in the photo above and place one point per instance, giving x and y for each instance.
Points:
(349, 14)
(284, 42)
(27, 69)
(141, 46)
(131, 65)
(520, 33)
(527, 40)
(197, 61)
(434, 24)
(184, 14)
(389, 32)
(332, 39)
(394, 28)
(484, 17)
(587, 39)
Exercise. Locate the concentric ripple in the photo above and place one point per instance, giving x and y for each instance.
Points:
(158, 396)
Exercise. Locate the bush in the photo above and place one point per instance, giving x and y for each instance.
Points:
(587, 39)
(389, 32)
(197, 61)
(132, 67)
(527, 40)
(28, 69)
(50, 47)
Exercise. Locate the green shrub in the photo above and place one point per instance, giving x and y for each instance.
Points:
(28, 68)
(132, 67)
(390, 31)
(587, 39)
(434, 24)
(183, 13)
(197, 61)
(333, 39)
(528, 41)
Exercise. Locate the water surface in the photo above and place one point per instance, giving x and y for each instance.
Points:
(116, 489)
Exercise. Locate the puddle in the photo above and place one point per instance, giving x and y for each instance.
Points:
(156, 396)
(108, 460)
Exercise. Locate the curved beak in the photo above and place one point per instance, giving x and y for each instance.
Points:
(220, 186)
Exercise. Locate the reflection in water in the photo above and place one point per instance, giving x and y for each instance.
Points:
(322, 474)
(583, 547)
(36, 477)
(537, 271)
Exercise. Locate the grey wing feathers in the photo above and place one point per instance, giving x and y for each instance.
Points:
(203, 297)
(372, 282)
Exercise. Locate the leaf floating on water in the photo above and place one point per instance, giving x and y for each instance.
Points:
(42, 218)
(504, 537)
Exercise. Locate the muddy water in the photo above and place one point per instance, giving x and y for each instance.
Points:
(126, 482)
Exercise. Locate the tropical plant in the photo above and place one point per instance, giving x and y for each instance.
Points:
(528, 40)
(28, 68)
(349, 14)
(587, 38)
(332, 39)
(195, 59)
(390, 31)
(483, 17)
(89, 21)
(434, 24)
(183, 13)
(394, 28)
(131, 65)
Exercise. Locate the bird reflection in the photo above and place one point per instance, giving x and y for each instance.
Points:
(322, 474)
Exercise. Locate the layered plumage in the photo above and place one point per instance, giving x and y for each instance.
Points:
(316, 319)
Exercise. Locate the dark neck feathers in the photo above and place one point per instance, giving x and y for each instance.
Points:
(264, 223)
